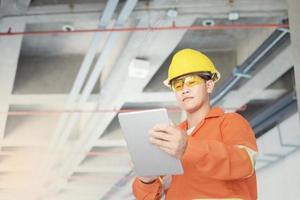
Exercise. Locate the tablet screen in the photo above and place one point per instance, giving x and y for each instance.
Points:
(148, 159)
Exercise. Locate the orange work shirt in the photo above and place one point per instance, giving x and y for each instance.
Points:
(218, 162)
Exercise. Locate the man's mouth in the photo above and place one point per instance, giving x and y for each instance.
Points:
(186, 98)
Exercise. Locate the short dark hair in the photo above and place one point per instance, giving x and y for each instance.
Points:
(205, 75)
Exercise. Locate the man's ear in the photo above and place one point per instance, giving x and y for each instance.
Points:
(210, 84)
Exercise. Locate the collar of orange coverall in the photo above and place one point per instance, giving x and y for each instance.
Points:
(214, 112)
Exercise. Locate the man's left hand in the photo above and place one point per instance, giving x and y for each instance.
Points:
(169, 138)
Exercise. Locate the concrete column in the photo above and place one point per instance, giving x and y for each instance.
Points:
(10, 49)
(294, 18)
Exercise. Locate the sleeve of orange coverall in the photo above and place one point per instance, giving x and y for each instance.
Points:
(228, 159)
(144, 191)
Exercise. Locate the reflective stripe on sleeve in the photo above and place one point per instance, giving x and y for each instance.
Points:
(252, 155)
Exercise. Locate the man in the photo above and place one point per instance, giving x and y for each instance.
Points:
(217, 149)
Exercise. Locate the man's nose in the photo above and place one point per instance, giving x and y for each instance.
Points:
(185, 89)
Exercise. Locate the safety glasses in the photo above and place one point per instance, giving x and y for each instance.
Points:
(188, 81)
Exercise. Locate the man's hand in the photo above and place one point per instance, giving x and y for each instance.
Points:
(169, 138)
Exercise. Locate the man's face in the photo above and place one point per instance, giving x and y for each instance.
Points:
(194, 96)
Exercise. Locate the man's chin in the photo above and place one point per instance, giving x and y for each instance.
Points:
(190, 109)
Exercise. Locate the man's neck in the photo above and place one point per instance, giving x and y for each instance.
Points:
(195, 117)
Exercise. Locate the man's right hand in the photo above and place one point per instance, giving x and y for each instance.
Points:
(147, 179)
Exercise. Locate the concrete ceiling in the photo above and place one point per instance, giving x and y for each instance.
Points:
(49, 154)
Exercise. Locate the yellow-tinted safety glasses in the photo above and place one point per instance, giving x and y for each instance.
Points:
(188, 80)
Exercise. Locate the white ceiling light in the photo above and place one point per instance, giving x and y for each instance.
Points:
(172, 13)
(233, 16)
(139, 68)
(208, 22)
(67, 27)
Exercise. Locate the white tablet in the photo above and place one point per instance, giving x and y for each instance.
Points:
(148, 159)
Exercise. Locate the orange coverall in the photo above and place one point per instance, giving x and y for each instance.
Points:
(218, 162)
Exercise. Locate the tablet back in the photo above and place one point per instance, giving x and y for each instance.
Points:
(148, 159)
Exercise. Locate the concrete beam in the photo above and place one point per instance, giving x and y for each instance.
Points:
(255, 86)
(107, 170)
(192, 6)
(23, 143)
(169, 97)
(110, 143)
(294, 16)
(216, 8)
(10, 50)
(270, 94)
(61, 99)
(152, 97)
(41, 143)
(42, 99)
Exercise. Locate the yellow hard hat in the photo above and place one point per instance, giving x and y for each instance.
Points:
(188, 61)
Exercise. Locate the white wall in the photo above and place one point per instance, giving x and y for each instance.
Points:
(280, 180)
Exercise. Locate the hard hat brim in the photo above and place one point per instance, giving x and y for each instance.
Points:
(166, 83)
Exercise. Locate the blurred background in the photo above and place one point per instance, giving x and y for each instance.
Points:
(68, 67)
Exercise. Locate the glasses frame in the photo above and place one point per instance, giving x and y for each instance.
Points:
(203, 76)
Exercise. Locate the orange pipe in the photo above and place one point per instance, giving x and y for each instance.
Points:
(53, 112)
(135, 29)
